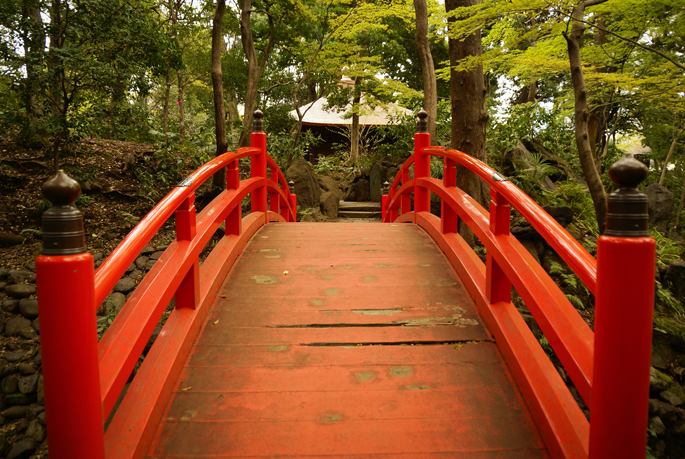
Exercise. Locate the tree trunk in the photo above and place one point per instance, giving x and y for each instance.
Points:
(181, 110)
(311, 92)
(430, 86)
(165, 112)
(34, 46)
(219, 179)
(354, 135)
(682, 198)
(469, 116)
(252, 71)
(674, 143)
(585, 151)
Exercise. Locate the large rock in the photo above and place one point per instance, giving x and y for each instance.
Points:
(376, 182)
(328, 184)
(15, 325)
(674, 279)
(20, 290)
(329, 202)
(28, 308)
(19, 277)
(362, 190)
(306, 185)
(660, 205)
(22, 449)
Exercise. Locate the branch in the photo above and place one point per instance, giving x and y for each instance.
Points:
(276, 85)
(629, 40)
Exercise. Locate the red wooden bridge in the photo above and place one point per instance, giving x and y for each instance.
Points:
(347, 340)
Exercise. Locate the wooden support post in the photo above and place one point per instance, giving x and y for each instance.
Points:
(405, 199)
(384, 200)
(293, 199)
(274, 201)
(68, 339)
(422, 164)
(448, 216)
(498, 286)
(258, 162)
(626, 258)
(235, 217)
(188, 292)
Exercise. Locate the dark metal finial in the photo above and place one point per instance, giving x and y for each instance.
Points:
(627, 208)
(62, 223)
(386, 188)
(422, 123)
(291, 187)
(258, 123)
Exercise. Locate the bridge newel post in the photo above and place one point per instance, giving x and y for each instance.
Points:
(68, 339)
(384, 200)
(235, 217)
(448, 217)
(626, 258)
(498, 286)
(422, 163)
(188, 292)
(258, 163)
(293, 199)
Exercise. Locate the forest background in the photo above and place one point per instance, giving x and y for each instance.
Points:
(574, 84)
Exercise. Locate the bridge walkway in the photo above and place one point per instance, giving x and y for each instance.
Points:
(344, 340)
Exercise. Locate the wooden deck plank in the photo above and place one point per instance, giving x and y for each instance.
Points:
(289, 364)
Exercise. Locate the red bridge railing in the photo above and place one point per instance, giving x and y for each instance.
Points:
(70, 293)
(610, 368)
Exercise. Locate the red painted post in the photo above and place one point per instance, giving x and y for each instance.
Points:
(274, 203)
(626, 258)
(405, 199)
(235, 218)
(422, 164)
(68, 339)
(283, 204)
(384, 199)
(188, 292)
(497, 285)
(293, 199)
(258, 162)
(449, 219)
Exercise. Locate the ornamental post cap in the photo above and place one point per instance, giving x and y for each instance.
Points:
(628, 172)
(291, 187)
(258, 122)
(63, 232)
(422, 123)
(61, 190)
(386, 188)
(627, 207)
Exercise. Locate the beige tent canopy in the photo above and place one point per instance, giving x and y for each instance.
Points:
(317, 115)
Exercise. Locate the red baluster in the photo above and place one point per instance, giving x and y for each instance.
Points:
(626, 258)
(293, 199)
(405, 199)
(68, 339)
(283, 204)
(498, 287)
(274, 203)
(422, 164)
(258, 162)
(448, 217)
(188, 292)
(384, 199)
(235, 218)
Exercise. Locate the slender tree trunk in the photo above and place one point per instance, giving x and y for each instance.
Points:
(165, 112)
(354, 135)
(585, 151)
(252, 71)
(311, 92)
(682, 198)
(469, 116)
(219, 179)
(674, 143)
(34, 46)
(181, 109)
(430, 86)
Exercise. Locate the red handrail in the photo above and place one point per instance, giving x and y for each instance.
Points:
(177, 272)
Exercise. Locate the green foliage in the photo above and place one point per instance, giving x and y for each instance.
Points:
(576, 196)
(667, 250)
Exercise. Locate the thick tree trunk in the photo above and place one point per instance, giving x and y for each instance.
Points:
(469, 116)
(219, 179)
(430, 86)
(181, 109)
(34, 46)
(582, 113)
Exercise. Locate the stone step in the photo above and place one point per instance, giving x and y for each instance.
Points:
(359, 214)
(359, 206)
